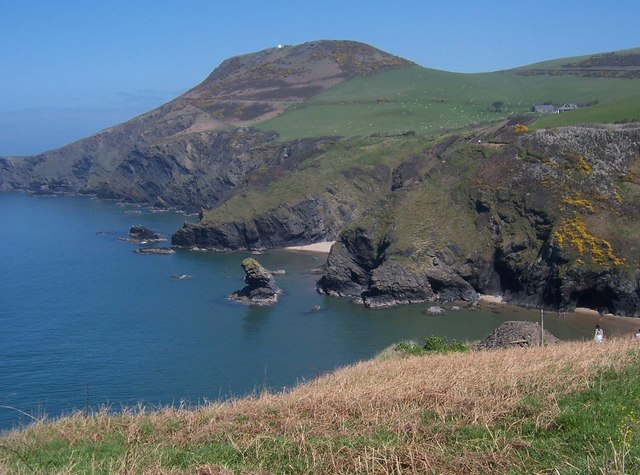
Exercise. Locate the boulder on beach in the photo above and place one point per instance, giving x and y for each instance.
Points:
(512, 334)
(261, 288)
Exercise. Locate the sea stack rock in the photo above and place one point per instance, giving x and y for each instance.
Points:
(261, 288)
(140, 233)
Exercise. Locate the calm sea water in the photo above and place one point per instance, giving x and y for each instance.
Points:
(85, 322)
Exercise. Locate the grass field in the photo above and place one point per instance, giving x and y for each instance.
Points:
(616, 111)
(571, 408)
(429, 101)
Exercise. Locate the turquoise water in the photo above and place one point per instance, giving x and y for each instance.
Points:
(85, 322)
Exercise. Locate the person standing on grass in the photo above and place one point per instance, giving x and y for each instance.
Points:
(599, 335)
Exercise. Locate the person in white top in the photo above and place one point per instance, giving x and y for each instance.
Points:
(599, 336)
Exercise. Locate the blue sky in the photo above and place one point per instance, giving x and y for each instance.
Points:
(71, 68)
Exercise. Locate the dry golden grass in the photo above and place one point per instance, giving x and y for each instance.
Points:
(376, 417)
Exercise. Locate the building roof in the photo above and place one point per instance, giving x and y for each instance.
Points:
(545, 108)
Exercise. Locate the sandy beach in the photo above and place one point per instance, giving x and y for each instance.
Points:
(490, 298)
(617, 324)
(321, 247)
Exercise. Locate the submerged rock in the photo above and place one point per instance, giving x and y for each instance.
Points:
(155, 250)
(512, 333)
(140, 234)
(261, 288)
(435, 310)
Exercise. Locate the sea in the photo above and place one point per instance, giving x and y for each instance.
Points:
(88, 324)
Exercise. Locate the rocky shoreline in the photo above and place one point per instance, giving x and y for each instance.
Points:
(546, 218)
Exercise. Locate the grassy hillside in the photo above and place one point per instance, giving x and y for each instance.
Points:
(349, 170)
(575, 60)
(429, 101)
(571, 408)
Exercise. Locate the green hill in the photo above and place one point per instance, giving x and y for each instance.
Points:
(428, 101)
(622, 110)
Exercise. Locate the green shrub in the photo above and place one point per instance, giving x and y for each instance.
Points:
(432, 344)
(439, 344)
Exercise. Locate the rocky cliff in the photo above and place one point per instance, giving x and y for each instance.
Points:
(545, 219)
(309, 197)
(191, 151)
(311, 220)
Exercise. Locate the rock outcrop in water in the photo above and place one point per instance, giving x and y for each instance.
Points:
(158, 251)
(261, 288)
(139, 233)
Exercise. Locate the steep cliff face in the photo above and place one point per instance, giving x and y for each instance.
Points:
(359, 268)
(310, 220)
(89, 165)
(545, 219)
(189, 152)
(191, 170)
(319, 187)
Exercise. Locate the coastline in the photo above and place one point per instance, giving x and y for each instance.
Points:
(318, 247)
(621, 324)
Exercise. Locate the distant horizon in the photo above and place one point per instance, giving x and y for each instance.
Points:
(72, 69)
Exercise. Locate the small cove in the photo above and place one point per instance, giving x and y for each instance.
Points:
(86, 322)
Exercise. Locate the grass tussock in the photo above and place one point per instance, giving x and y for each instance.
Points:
(513, 411)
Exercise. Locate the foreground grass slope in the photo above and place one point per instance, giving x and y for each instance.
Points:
(571, 408)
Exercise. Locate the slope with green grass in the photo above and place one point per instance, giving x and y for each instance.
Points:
(618, 111)
(430, 102)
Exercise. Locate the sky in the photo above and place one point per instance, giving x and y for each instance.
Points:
(69, 68)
